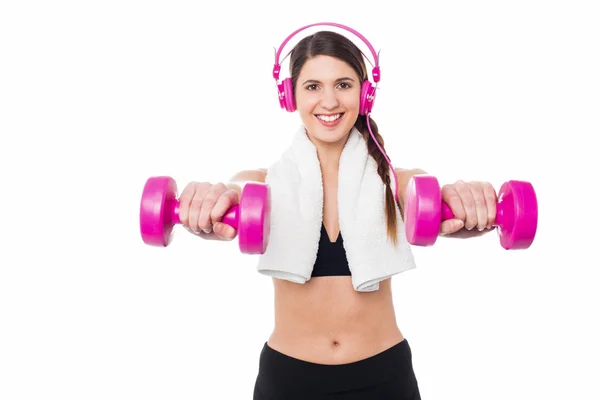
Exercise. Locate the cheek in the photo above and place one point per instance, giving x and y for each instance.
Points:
(306, 103)
(352, 102)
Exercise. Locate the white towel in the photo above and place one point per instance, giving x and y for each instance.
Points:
(296, 187)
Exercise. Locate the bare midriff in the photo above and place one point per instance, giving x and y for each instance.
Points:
(326, 321)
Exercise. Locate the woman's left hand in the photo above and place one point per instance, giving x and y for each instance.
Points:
(474, 207)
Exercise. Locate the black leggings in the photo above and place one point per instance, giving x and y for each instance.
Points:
(388, 375)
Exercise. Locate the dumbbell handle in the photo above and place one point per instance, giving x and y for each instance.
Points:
(448, 214)
(230, 218)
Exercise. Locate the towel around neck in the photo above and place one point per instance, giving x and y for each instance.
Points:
(296, 187)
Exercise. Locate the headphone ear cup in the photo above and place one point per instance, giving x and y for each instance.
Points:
(367, 98)
(286, 95)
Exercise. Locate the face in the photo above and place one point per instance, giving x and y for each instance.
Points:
(328, 98)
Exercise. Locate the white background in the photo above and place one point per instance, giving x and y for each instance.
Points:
(95, 97)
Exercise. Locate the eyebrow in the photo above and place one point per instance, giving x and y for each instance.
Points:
(336, 81)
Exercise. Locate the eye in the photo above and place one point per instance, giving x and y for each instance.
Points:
(312, 86)
(345, 85)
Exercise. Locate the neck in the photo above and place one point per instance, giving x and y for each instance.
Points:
(329, 155)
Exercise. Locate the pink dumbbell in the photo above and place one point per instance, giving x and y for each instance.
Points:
(516, 212)
(159, 212)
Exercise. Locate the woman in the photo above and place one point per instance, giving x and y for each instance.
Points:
(330, 338)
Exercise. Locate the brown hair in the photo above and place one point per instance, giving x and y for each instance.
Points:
(335, 45)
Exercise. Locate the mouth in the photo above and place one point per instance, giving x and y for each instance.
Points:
(329, 120)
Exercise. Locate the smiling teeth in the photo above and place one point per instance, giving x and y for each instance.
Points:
(329, 118)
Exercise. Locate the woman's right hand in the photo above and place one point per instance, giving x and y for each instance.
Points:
(202, 205)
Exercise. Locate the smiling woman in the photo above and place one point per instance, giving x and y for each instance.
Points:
(337, 234)
(337, 338)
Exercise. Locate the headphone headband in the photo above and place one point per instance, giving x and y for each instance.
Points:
(375, 72)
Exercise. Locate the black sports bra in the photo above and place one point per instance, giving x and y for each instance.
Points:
(331, 257)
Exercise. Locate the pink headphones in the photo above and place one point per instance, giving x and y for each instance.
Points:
(367, 95)
(285, 89)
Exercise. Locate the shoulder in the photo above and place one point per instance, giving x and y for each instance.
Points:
(407, 173)
(400, 171)
(404, 175)
(253, 175)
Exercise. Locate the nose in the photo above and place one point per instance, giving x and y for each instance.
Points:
(329, 99)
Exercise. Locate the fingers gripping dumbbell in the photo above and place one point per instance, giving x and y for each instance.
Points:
(516, 212)
(159, 212)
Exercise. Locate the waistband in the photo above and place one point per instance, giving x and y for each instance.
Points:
(291, 372)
